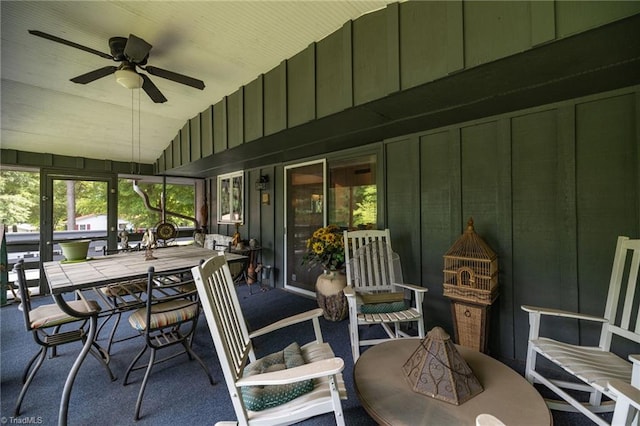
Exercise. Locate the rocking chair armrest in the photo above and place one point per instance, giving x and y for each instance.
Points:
(285, 322)
(561, 313)
(313, 370)
(349, 291)
(626, 391)
(412, 287)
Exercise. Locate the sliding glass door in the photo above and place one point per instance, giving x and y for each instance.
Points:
(76, 206)
(305, 212)
(341, 191)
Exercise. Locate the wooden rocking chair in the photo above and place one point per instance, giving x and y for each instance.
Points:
(593, 366)
(375, 291)
(282, 388)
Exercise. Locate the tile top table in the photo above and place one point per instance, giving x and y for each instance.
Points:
(67, 277)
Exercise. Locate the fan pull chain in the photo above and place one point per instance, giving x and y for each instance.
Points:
(132, 168)
(139, 132)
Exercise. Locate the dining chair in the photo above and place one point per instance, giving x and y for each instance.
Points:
(51, 327)
(168, 318)
(284, 387)
(375, 289)
(124, 296)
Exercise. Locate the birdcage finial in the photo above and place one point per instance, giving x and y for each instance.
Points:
(470, 225)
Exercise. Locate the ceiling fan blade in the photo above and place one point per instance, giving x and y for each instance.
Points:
(178, 78)
(137, 50)
(152, 90)
(94, 75)
(70, 43)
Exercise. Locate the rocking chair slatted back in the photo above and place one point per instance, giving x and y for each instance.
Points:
(233, 330)
(367, 261)
(624, 326)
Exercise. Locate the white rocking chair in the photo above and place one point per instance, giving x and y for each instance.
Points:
(594, 366)
(374, 282)
(321, 370)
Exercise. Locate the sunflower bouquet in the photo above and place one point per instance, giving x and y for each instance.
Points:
(326, 248)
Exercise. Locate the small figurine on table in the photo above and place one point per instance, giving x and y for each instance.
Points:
(149, 241)
(124, 239)
(199, 237)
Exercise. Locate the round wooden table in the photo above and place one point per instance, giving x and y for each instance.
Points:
(387, 396)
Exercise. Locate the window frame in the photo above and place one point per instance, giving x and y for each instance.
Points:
(229, 178)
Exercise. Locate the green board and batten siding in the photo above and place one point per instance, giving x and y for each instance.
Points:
(549, 187)
(523, 115)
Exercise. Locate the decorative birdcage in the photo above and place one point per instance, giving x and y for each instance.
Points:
(471, 281)
(471, 269)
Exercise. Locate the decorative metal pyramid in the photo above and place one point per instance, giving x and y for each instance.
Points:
(437, 369)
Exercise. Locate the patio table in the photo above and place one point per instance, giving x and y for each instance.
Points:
(69, 277)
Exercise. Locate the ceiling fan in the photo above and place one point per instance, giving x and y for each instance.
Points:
(132, 53)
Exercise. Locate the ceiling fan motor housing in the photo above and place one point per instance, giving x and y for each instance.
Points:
(116, 45)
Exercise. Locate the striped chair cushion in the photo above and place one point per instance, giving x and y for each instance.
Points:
(52, 315)
(125, 288)
(257, 398)
(164, 314)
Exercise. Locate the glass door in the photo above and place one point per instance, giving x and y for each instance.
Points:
(77, 206)
(305, 212)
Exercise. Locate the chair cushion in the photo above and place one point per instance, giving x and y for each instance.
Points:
(258, 398)
(388, 297)
(51, 315)
(125, 288)
(383, 308)
(164, 314)
(382, 303)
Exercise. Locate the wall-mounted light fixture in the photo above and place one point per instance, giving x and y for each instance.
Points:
(262, 183)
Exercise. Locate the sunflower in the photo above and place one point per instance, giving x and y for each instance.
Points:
(325, 247)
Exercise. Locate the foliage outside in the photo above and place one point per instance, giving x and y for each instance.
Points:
(20, 193)
(354, 207)
(326, 248)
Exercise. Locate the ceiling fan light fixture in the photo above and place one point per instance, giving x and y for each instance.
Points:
(128, 78)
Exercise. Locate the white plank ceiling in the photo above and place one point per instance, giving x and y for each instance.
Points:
(226, 44)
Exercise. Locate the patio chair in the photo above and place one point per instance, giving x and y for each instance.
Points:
(45, 322)
(592, 367)
(168, 319)
(375, 291)
(282, 388)
(124, 296)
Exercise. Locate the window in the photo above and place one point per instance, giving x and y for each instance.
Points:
(231, 198)
(135, 214)
(353, 195)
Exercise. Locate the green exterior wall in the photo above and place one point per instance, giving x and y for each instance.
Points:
(522, 115)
